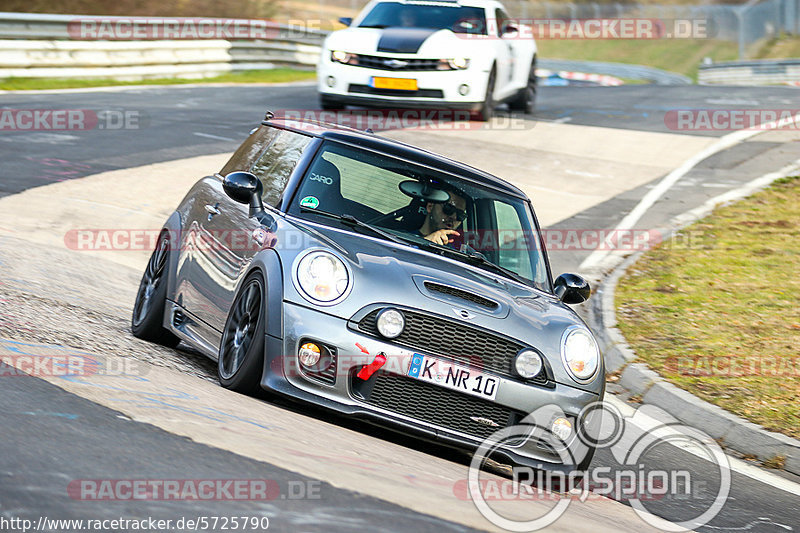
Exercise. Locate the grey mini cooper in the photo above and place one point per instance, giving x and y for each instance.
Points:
(381, 281)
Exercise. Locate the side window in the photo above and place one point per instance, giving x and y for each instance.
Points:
(247, 153)
(277, 162)
(511, 253)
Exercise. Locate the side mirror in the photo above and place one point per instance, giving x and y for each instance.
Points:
(509, 28)
(245, 188)
(346, 20)
(572, 289)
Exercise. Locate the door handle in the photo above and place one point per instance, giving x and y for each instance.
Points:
(212, 210)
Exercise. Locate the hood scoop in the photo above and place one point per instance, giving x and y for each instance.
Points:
(489, 305)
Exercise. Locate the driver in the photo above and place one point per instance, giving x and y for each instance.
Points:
(443, 219)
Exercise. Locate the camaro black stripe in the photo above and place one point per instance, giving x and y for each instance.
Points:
(403, 40)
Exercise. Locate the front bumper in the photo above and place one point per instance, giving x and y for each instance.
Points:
(436, 89)
(427, 416)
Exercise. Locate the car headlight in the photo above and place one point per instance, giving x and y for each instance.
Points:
(580, 353)
(528, 363)
(322, 277)
(338, 56)
(459, 63)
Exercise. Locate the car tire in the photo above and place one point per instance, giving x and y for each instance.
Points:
(329, 105)
(487, 108)
(147, 320)
(525, 99)
(241, 351)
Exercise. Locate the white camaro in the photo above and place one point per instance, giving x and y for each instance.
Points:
(439, 54)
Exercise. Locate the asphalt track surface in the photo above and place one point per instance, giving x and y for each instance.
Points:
(47, 445)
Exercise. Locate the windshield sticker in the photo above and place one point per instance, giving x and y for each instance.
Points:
(321, 178)
(309, 201)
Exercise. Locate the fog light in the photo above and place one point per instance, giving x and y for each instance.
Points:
(309, 354)
(463, 90)
(331, 81)
(390, 323)
(528, 363)
(561, 428)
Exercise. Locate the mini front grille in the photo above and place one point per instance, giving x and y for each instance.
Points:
(439, 406)
(464, 344)
(464, 295)
(396, 64)
(329, 374)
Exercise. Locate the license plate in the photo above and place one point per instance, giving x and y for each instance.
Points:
(453, 376)
(403, 84)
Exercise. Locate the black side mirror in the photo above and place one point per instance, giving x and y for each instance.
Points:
(572, 289)
(346, 20)
(509, 28)
(245, 188)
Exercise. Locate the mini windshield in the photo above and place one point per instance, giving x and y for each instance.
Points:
(459, 19)
(418, 204)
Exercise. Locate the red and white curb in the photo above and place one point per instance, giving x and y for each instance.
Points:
(600, 79)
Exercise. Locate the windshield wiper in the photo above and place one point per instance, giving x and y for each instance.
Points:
(379, 26)
(350, 220)
(478, 258)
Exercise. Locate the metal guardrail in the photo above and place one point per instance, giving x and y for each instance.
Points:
(754, 72)
(620, 70)
(41, 46)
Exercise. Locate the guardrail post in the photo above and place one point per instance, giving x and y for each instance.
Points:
(796, 29)
(740, 18)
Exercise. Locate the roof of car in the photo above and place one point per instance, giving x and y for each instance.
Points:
(371, 141)
(477, 3)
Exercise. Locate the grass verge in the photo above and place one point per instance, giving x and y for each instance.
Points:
(675, 55)
(714, 310)
(278, 75)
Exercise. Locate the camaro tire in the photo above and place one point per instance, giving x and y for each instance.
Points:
(487, 109)
(241, 352)
(148, 309)
(525, 100)
(329, 105)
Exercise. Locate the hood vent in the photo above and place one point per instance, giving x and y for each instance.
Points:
(464, 295)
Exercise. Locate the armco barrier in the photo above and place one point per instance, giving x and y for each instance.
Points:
(114, 59)
(620, 70)
(757, 72)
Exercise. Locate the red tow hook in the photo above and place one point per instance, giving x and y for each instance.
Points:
(367, 370)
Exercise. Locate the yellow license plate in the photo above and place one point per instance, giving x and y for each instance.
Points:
(403, 84)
